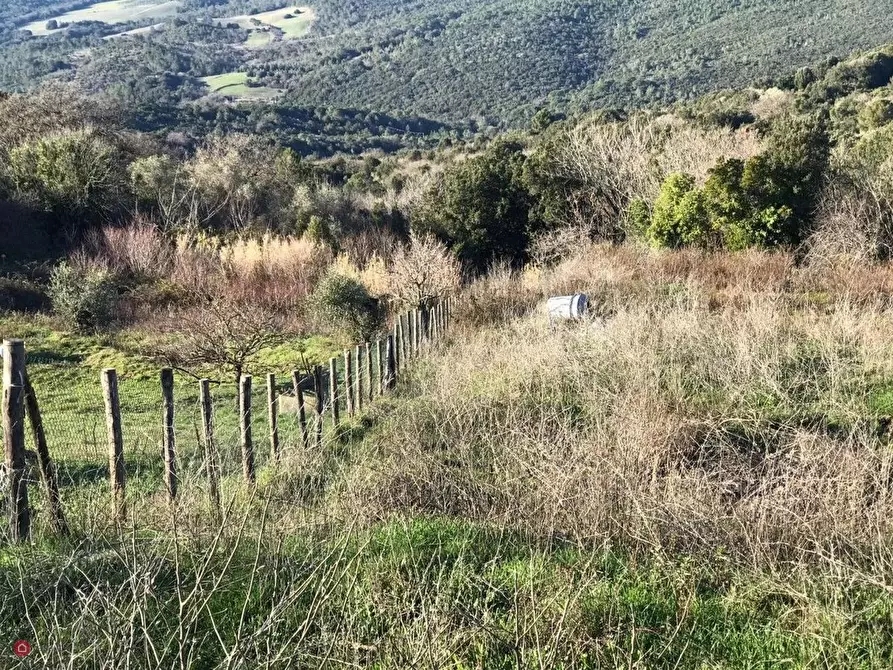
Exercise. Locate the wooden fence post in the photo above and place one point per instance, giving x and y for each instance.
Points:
(398, 339)
(390, 379)
(414, 317)
(417, 330)
(245, 425)
(47, 469)
(116, 443)
(210, 447)
(348, 383)
(370, 371)
(359, 381)
(168, 436)
(302, 411)
(407, 336)
(273, 415)
(379, 345)
(13, 408)
(401, 341)
(320, 405)
(333, 391)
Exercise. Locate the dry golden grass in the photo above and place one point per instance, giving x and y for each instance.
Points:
(707, 407)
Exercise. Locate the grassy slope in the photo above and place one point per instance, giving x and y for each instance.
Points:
(294, 22)
(114, 11)
(437, 594)
(235, 84)
(691, 485)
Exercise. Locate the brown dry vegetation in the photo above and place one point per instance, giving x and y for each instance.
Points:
(698, 476)
(716, 402)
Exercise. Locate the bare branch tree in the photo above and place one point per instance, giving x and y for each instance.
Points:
(223, 334)
(423, 272)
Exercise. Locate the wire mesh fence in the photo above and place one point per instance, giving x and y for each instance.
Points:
(73, 412)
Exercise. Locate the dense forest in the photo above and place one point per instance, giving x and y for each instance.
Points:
(390, 73)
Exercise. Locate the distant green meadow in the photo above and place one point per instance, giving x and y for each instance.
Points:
(294, 22)
(235, 84)
(114, 11)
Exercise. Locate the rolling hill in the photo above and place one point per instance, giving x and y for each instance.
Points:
(493, 64)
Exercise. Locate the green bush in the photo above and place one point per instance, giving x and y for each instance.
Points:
(319, 230)
(84, 298)
(766, 201)
(875, 114)
(73, 173)
(638, 217)
(345, 305)
(680, 217)
(482, 209)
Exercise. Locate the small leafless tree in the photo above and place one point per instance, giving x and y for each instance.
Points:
(224, 334)
(423, 272)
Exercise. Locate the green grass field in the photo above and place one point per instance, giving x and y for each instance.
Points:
(114, 11)
(235, 84)
(294, 22)
(65, 371)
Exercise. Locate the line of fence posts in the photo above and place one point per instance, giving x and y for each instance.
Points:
(412, 330)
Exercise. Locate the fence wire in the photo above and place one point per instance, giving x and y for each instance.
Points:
(73, 413)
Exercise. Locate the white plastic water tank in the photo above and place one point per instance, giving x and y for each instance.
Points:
(567, 307)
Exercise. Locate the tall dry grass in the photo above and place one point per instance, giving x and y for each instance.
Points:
(272, 272)
(706, 408)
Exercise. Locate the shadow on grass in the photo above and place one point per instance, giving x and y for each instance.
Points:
(54, 358)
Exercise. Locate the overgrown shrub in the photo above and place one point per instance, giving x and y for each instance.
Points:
(766, 201)
(84, 297)
(482, 208)
(680, 217)
(345, 305)
(73, 173)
